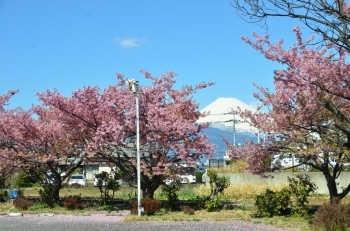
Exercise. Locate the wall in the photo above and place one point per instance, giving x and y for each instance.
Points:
(281, 178)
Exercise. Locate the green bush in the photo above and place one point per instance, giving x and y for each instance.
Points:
(301, 187)
(108, 185)
(217, 184)
(170, 192)
(290, 200)
(3, 192)
(150, 206)
(36, 185)
(214, 205)
(272, 203)
(200, 202)
(38, 206)
(332, 217)
(199, 177)
(3, 195)
(23, 180)
(46, 195)
(2, 182)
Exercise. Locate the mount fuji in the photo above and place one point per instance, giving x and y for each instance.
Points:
(224, 124)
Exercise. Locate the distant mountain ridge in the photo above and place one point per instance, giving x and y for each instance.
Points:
(215, 137)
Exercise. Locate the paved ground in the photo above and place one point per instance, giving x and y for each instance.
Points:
(102, 222)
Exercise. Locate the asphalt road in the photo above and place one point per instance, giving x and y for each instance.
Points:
(103, 222)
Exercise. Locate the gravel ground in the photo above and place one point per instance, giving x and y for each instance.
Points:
(115, 222)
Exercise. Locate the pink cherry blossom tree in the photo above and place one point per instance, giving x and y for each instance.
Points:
(5, 169)
(307, 114)
(36, 143)
(105, 120)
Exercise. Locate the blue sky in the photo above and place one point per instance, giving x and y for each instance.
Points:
(70, 44)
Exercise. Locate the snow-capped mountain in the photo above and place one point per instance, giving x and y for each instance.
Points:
(222, 125)
(220, 117)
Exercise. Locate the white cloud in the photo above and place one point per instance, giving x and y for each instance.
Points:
(130, 42)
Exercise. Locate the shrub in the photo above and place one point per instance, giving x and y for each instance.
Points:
(36, 185)
(46, 195)
(23, 180)
(332, 217)
(73, 202)
(272, 203)
(199, 177)
(217, 184)
(3, 195)
(200, 202)
(2, 182)
(3, 192)
(187, 210)
(38, 206)
(291, 199)
(22, 203)
(301, 187)
(214, 205)
(170, 192)
(150, 206)
(108, 185)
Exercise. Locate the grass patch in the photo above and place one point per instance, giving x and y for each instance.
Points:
(224, 215)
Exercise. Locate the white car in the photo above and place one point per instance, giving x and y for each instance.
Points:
(97, 178)
(183, 179)
(78, 179)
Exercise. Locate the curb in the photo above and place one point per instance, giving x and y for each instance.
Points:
(46, 215)
(15, 214)
(83, 214)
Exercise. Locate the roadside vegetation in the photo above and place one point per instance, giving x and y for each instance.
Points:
(291, 205)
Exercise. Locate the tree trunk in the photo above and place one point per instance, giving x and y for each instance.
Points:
(56, 194)
(50, 194)
(150, 185)
(334, 197)
(147, 192)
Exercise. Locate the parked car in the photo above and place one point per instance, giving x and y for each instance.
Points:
(78, 179)
(51, 177)
(97, 178)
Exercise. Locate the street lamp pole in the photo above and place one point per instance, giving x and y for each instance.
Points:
(134, 87)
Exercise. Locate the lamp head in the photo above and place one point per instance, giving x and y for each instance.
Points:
(133, 85)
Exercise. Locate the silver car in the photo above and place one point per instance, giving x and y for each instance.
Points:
(78, 179)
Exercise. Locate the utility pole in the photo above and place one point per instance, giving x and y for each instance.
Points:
(234, 130)
(234, 121)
